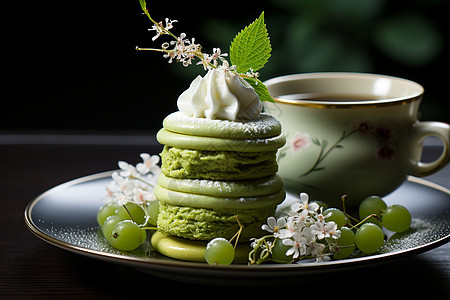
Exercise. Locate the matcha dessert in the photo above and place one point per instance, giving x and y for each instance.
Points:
(217, 182)
(216, 170)
(219, 157)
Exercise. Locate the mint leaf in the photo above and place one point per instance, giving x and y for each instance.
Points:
(251, 47)
(260, 89)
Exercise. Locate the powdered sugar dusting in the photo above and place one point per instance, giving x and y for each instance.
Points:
(421, 232)
(265, 125)
(92, 238)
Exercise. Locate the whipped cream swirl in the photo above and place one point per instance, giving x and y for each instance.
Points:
(220, 95)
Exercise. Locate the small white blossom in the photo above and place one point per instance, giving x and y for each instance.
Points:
(127, 169)
(141, 196)
(149, 164)
(289, 229)
(298, 245)
(253, 74)
(303, 204)
(134, 184)
(322, 229)
(204, 60)
(217, 54)
(160, 29)
(274, 225)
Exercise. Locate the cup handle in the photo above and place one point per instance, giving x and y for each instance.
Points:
(421, 130)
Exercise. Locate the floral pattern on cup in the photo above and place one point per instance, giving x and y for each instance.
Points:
(381, 131)
(299, 141)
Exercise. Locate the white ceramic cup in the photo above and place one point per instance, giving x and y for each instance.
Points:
(351, 133)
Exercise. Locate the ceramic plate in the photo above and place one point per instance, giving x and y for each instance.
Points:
(65, 216)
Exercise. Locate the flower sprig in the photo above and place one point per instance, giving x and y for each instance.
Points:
(184, 50)
(303, 232)
(249, 51)
(134, 183)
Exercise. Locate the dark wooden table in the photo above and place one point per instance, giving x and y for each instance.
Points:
(31, 268)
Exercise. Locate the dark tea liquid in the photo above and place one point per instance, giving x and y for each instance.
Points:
(329, 97)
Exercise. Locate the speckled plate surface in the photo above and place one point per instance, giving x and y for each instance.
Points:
(65, 216)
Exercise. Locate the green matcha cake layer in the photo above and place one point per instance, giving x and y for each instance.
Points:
(217, 165)
(189, 250)
(185, 141)
(206, 224)
(263, 127)
(213, 202)
(242, 188)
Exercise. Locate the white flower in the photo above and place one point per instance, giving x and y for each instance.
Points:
(119, 188)
(288, 231)
(204, 61)
(310, 238)
(324, 230)
(140, 196)
(298, 245)
(274, 225)
(169, 24)
(160, 29)
(253, 74)
(334, 232)
(127, 169)
(149, 164)
(303, 204)
(217, 54)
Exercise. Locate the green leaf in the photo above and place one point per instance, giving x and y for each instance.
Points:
(260, 89)
(251, 47)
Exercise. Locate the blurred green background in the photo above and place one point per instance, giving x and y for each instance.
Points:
(73, 66)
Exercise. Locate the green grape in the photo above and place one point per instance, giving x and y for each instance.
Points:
(109, 224)
(346, 243)
(153, 211)
(136, 212)
(279, 252)
(369, 238)
(219, 251)
(396, 218)
(105, 211)
(337, 216)
(372, 205)
(127, 235)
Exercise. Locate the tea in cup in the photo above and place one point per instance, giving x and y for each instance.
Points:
(351, 134)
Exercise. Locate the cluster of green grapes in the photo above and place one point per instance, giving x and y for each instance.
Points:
(367, 234)
(124, 226)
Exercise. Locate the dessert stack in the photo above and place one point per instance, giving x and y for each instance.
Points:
(218, 162)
